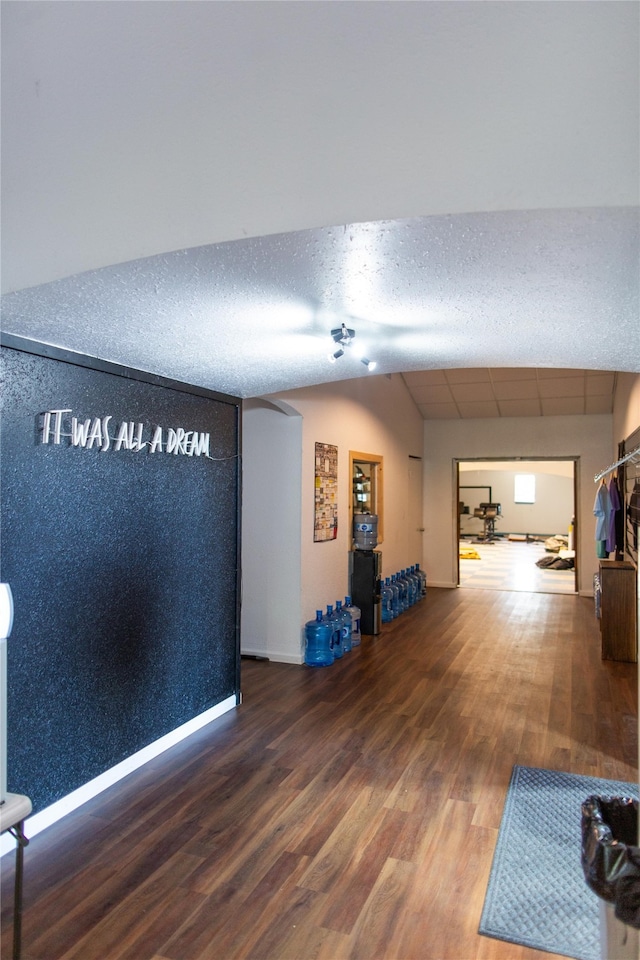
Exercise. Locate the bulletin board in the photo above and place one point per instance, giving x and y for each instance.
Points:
(120, 541)
(326, 493)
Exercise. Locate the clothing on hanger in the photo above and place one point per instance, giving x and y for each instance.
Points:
(615, 504)
(602, 513)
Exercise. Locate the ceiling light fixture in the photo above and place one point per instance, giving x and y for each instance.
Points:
(343, 337)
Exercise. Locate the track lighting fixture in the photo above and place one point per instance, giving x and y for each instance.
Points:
(343, 337)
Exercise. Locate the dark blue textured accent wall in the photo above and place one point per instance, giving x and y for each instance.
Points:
(123, 567)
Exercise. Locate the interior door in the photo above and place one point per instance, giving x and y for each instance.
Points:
(414, 517)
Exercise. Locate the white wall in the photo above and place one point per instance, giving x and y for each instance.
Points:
(286, 576)
(271, 448)
(550, 513)
(172, 125)
(626, 409)
(372, 415)
(587, 437)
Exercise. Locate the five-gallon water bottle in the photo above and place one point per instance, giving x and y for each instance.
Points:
(395, 599)
(414, 586)
(356, 635)
(418, 582)
(387, 601)
(347, 626)
(336, 625)
(423, 580)
(404, 591)
(318, 634)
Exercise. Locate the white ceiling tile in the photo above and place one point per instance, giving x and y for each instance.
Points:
(562, 406)
(512, 373)
(516, 390)
(439, 411)
(603, 404)
(438, 393)
(472, 411)
(552, 374)
(421, 378)
(562, 387)
(599, 385)
(520, 408)
(472, 392)
(468, 375)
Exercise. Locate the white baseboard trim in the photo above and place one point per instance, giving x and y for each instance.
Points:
(50, 815)
(286, 658)
(448, 585)
(275, 655)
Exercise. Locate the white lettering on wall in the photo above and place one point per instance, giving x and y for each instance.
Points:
(79, 432)
(93, 432)
(156, 441)
(200, 445)
(57, 425)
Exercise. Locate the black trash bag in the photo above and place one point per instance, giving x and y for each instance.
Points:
(610, 854)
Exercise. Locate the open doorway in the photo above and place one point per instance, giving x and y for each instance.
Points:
(516, 524)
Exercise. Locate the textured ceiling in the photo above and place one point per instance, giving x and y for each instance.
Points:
(484, 158)
(252, 317)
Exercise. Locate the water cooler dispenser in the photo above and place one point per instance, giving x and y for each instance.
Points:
(366, 573)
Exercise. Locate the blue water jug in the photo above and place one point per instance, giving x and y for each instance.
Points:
(404, 591)
(347, 626)
(387, 601)
(336, 626)
(423, 580)
(356, 635)
(318, 634)
(414, 586)
(395, 601)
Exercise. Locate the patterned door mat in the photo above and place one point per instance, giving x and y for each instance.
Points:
(537, 895)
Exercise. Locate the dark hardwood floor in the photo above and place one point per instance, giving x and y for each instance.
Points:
(346, 812)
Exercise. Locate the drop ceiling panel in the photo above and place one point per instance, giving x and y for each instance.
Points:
(562, 406)
(600, 385)
(552, 374)
(562, 387)
(439, 411)
(472, 411)
(421, 378)
(511, 392)
(520, 408)
(599, 405)
(516, 390)
(472, 392)
(512, 373)
(472, 375)
(438, 393)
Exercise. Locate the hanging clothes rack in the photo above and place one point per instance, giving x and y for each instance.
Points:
(634, 456)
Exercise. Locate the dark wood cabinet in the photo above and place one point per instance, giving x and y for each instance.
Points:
(618, 614)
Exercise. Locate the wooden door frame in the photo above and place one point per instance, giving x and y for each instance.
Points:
(524, 460)
(355, 456)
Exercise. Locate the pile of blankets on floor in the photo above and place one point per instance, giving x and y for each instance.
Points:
(555, 546)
